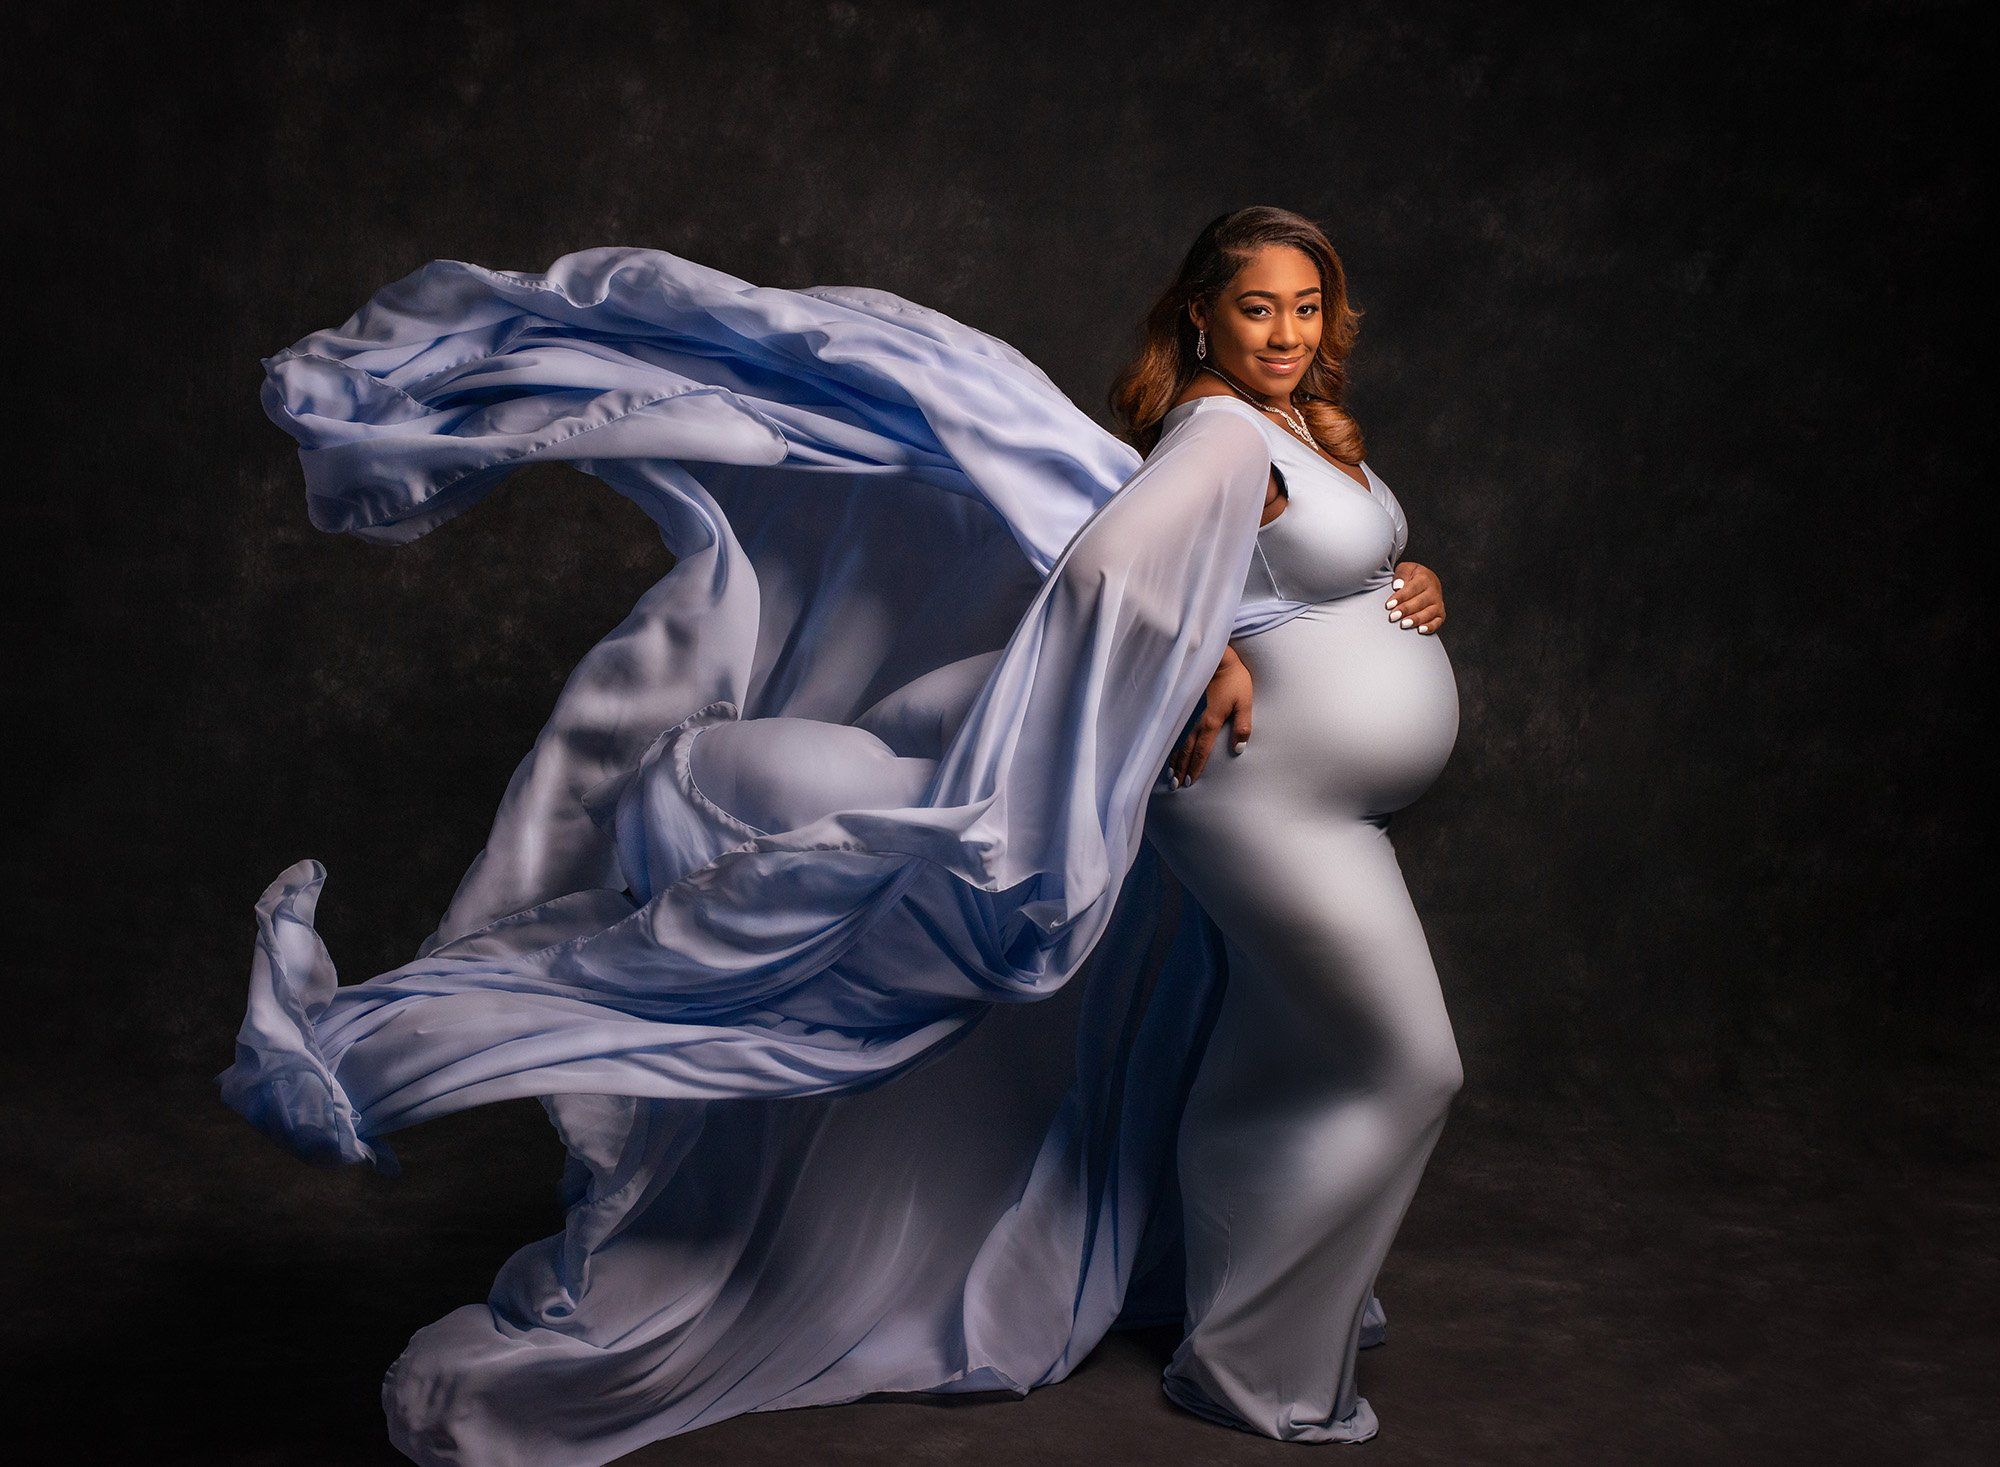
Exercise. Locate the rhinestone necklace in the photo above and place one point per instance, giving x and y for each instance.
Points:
(1293, 419)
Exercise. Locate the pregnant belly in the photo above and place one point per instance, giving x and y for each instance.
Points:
(1361, 711)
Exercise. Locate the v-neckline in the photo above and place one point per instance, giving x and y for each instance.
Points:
(1367, 484)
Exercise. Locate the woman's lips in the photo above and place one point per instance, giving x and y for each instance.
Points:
(1278, 365)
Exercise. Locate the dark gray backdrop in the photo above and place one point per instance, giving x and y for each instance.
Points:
(1674, 349)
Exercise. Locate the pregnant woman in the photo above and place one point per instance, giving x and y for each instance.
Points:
(821, 918)
(1327, 1077)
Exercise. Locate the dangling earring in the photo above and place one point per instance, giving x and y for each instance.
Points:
(1201, 341)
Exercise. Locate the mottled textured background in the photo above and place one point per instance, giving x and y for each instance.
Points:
(1674, 349)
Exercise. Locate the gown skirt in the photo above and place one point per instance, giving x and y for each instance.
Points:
(821, 917)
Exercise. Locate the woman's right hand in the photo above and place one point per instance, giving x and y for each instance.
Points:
(1227, 703)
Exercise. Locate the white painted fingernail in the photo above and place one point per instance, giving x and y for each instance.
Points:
(1423, 631)
(1392, 602)
(1397, 584)
(1407, 622)
(1392, 616)
(1239, 746)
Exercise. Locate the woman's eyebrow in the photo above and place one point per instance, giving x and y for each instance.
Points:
(1272, 294)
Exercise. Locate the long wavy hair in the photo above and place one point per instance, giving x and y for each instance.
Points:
(1165, 361)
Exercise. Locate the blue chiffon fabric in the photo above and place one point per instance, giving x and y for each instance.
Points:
(895, 538)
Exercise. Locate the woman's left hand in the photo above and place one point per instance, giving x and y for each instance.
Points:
(1416, 600)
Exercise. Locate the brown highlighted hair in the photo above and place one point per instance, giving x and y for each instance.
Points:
(1165, 361)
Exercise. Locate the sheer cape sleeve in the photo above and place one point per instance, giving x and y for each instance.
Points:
(620, 933)
(901, 546)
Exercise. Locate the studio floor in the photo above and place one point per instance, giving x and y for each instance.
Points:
(1796, 1279)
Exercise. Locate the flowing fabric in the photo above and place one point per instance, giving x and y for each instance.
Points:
(855, 795)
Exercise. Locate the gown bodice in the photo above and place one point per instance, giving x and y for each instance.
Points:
(1333, 539)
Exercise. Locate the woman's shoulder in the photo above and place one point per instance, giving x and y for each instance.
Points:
(1204, 385)
(1206, 416)
(1200, 399)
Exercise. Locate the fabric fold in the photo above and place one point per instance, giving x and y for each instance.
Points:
(877, 1096)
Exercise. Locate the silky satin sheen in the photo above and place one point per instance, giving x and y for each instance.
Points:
(819, 917)
(1325, 1082)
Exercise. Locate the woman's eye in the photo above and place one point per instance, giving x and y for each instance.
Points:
(1309, 310)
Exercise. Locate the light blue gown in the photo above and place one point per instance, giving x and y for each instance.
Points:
(1325, 1082)
(820, 916)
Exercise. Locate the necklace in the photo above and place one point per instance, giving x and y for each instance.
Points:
(1293, 419)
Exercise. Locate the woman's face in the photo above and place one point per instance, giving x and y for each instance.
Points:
(1264, 329)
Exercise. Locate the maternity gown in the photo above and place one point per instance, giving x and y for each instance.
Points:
(820, 918)
(1326, 1079)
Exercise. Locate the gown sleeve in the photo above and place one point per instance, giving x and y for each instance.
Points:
(899, 546)
(630, 937)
